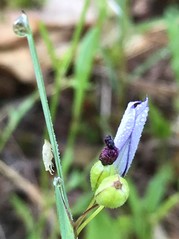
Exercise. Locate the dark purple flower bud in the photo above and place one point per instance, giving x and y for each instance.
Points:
(109, 142)
(109, 153)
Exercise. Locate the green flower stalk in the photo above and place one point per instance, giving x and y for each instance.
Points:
(22, 28)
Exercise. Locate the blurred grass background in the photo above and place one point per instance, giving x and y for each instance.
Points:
(129, 52)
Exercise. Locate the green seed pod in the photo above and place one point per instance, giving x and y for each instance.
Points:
(112, 192)
(99, 172)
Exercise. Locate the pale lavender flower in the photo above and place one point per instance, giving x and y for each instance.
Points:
(127, 137)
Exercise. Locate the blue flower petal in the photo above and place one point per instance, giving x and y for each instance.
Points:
(129, 133)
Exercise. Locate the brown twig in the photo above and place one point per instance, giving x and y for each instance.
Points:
(22, 183)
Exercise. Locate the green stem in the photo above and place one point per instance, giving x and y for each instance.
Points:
(91, 206)
(22, 28)
(84, 224)
(44, 102)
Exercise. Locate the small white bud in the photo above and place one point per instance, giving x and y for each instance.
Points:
(47, 156)
(21, 25)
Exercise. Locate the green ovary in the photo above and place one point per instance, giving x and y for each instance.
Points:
(99, 172)
(112, 192)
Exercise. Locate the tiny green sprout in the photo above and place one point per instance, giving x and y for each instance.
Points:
(99, 172)
(21, 25)
(112, 192)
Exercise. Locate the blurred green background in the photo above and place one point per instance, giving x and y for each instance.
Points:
(96, 56)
